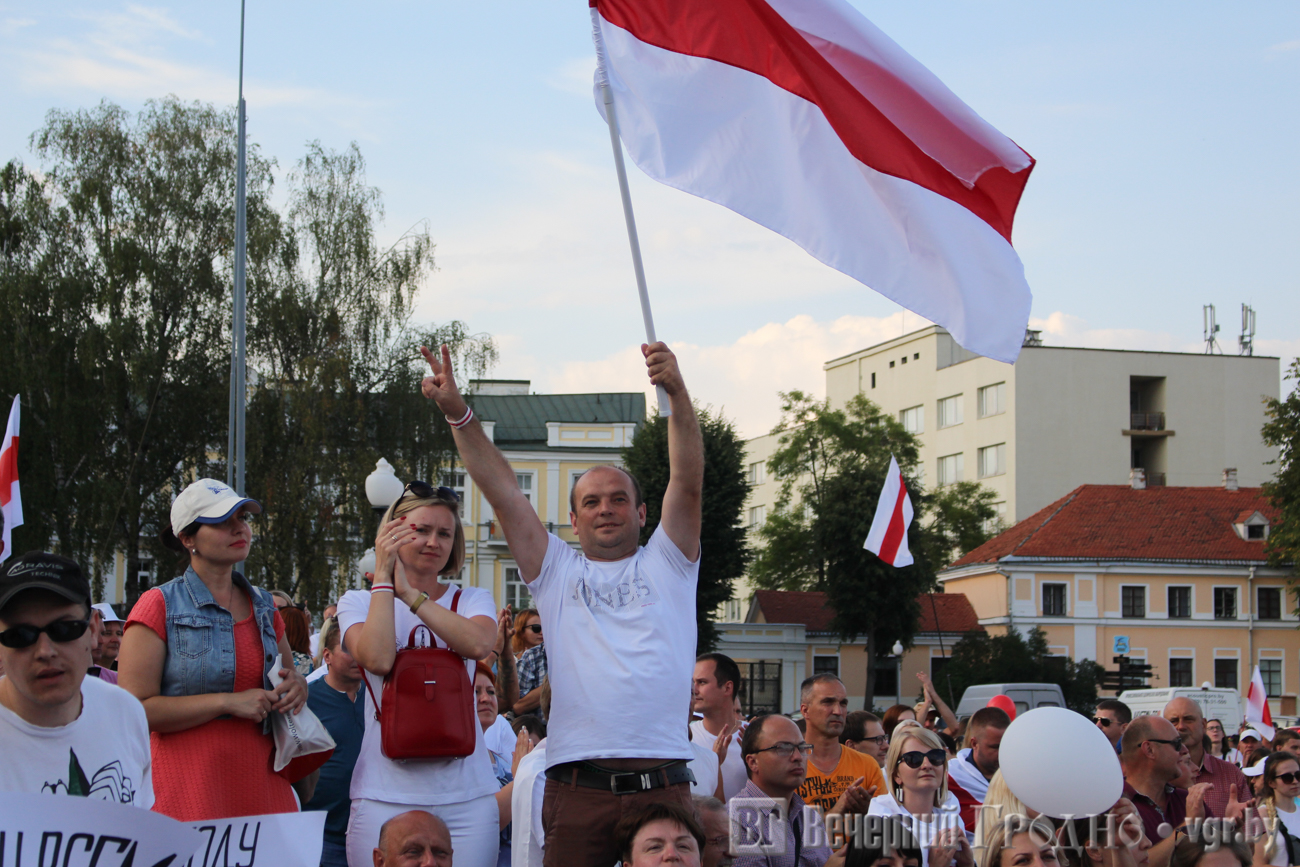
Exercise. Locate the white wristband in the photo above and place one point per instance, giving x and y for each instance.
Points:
(388, 587)
(464, 420)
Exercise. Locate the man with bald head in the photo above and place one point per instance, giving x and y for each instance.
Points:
(1185, 716)
(1150, 756)
(776, 759)
(414, 839)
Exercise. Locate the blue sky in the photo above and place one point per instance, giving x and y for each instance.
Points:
(1166, 136)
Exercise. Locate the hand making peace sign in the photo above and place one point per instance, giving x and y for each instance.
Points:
(440, 385)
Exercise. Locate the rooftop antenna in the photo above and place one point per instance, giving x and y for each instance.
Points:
(1246, 342)
(1211, 329)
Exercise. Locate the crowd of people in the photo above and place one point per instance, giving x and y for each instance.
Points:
(585, 732)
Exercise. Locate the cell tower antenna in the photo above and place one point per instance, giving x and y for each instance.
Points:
(1211, 329)
(1246, 342)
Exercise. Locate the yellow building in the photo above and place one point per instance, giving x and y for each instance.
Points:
(1176, 577)
(549, 440)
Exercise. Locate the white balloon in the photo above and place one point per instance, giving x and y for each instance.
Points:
(1057, 762)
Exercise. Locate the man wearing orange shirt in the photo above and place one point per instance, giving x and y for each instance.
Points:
(839, 780)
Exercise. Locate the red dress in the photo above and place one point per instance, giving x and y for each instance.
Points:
(222, 768)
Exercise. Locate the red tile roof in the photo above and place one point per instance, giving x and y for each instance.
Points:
(1116, 522)
(954, 611)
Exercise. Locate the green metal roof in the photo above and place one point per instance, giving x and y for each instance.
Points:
(522, 418)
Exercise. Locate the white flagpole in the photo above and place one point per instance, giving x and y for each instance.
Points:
(608, 94)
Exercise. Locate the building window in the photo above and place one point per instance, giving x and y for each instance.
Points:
(950, 411)
(1180, 602)
(1255, 531)
(1180, 672)
(993, 460)
(916, 356)
(757, 473)
(1133, 601)
(950, 469)
(995, 525)
(1270, 603)
(873, 380)
(913, 419)
(1271, 672)
(992, 400)
(525, 482)
(1225, 603)
(1054, 600)
(891, 364)
(517, 595)
(733, 611)
(757, 515)
(455, 479)
(826, 665)
(886, 677)
(1225, 673)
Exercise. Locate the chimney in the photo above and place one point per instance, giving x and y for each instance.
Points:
(1137, 477)
(1230, 479)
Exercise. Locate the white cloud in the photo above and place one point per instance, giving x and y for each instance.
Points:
(1062, 329)
(1292, 45)
(574, 76)
(10, 26)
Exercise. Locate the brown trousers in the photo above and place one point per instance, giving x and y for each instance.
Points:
(579, 821)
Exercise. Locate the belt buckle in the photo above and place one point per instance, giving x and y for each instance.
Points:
(639, 783)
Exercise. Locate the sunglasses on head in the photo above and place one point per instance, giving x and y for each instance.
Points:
(1102, 721)
(938, 758)
(424, 490)
(60, 631)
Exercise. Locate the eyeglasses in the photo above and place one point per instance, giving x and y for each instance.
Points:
(1288, 778)
(1176, 743)
(785, 749)
(424, 490)
(938, 758)
(878, 740)
(60, 631)
(534, 628)
(1102, 721)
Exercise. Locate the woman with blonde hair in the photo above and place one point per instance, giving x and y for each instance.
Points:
(999, 803)
(420, 539)
(916, 775)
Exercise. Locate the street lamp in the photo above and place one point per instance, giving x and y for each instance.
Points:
(383, 487)
(897, 650)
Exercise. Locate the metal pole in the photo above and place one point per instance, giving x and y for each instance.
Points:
(632, 240)
(238, 385)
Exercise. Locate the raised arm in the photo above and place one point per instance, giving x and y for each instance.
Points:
(680, 516)
(488, 468)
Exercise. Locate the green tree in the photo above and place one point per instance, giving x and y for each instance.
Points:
(1013, 658)
(1283, 491)
(832, 466)
(724, 552)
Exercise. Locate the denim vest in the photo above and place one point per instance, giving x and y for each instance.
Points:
(201, 636)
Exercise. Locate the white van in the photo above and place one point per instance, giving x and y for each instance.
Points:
(1026, 696)
(1220, 704)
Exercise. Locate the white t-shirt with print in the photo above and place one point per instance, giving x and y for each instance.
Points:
(426, 782)
(104, 753)
(735, 776)
(620, 650)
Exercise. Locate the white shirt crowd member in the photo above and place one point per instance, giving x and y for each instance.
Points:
(734, 775)
(704, 766)
(104, 753)
(528, 839)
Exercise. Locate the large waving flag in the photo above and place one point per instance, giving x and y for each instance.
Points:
(11, 501)
(1257, 712)
(887, 538)
(804, 117)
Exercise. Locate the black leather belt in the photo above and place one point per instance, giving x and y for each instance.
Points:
(591, 776)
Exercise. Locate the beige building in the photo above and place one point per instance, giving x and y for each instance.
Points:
(1176, 577)
(1059, 418)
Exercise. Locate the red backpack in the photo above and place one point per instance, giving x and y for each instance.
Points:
(427, 709)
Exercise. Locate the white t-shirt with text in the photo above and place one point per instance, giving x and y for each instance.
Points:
(620, 650)
(104, 753)
(428, 782)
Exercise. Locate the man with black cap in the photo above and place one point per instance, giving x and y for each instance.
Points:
(61, 731)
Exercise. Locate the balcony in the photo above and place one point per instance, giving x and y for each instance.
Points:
(1146, 421)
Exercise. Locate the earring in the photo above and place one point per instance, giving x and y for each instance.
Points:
(898, 793)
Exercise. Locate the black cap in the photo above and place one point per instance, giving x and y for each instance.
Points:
(38, 570)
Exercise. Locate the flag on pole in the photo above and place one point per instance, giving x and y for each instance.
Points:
(804, 117)
(888, 536)
(11, 501)
(1257, 706)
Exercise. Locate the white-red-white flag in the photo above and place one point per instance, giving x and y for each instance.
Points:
(888, 536)
(11, 501)
(1257, 706)
(804, 117)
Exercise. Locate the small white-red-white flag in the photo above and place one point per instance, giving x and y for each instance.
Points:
(1257, 706)
(888, 536)
(11, 502)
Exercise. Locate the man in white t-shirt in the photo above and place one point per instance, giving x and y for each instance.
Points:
(619, 620)
(714, 686)
(60, 731)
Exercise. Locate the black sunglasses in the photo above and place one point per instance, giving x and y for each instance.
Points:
(534, 627)
(60, 631)
(1288, 778)
(1176, 743)
(1105, 723)
(938, 758)
(424, 490)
